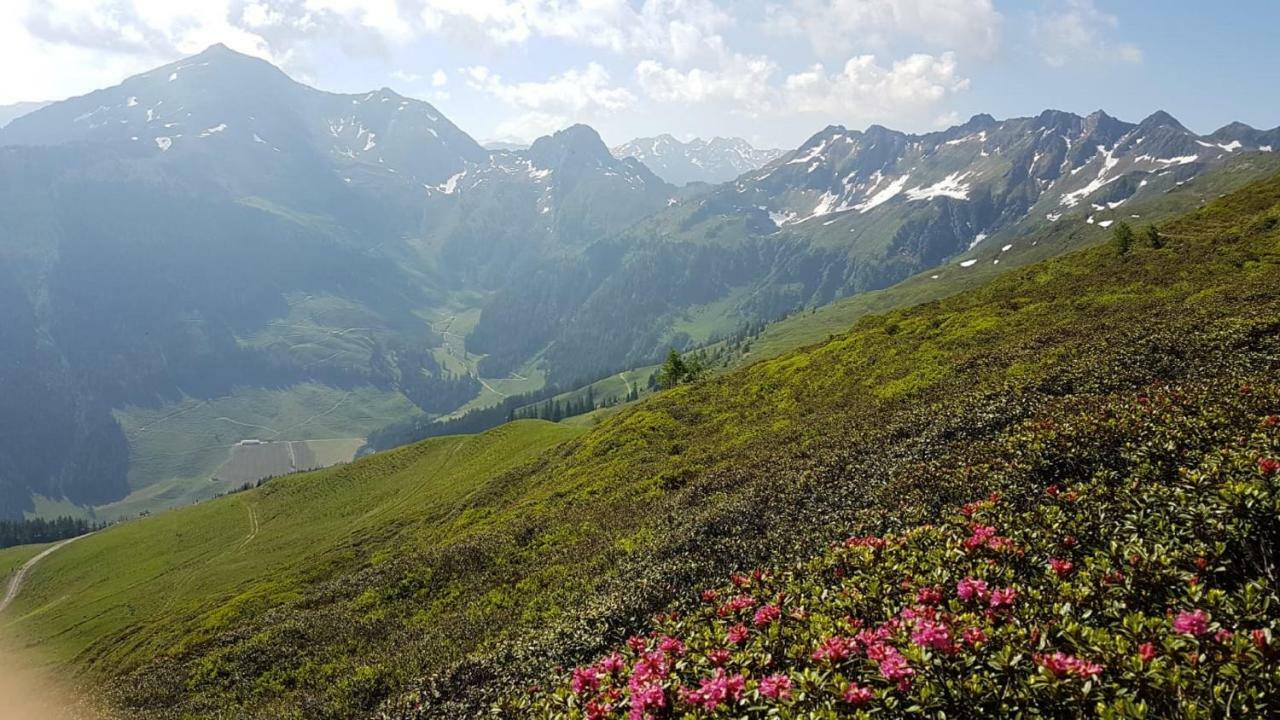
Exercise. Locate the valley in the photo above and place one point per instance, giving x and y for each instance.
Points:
(643, 360)
(323, 585)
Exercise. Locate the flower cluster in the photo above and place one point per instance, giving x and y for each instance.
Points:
(979, 614)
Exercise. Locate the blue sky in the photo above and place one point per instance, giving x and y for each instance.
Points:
(772, 71)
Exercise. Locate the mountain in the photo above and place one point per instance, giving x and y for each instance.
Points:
(8, 113)
(849, 212)
(1113, 409)
(711, 161)
(211, 252)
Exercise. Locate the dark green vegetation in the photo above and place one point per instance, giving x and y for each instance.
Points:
(331, 595)
(1132, 580)
(39, 530)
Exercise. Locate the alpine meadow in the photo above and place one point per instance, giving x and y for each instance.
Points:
(626, 363)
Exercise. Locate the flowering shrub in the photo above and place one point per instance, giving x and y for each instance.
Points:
(1115, 595)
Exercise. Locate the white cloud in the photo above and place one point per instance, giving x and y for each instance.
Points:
(68, 47)
(837, 28)
(866, 89)
(576, 95)
(741, 81)
(679, 30)
(1077, 31)
(911, 89)
(439, 78)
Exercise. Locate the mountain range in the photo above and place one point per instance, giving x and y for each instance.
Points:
(211, 252)
(8, 113)
(708, 161)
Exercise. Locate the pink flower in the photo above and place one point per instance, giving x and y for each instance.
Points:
(1061, 567)
(597, 710)
(740, 602)
(646, 697)
(1003, 598)
(610, 664)
(709, 596)
(834, 649)
(716, 690)
(718, 656)
(858, 695)
(671, 646)
(1268, 466)
(981, 535)
(637, 644)
(874, 543)
(1147, 652)
(1064, 665)
(971, 589)
(766, 615)
(776, 686)
(585, 679)
(974, 636)
(1223, 636)
(1191, 623)
(929, 595)
(932, 634)
(893, 666)
(736, 634)
(1259, 638)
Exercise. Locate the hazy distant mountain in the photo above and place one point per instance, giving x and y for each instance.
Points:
(712, 161)
(212, 226)
(8, 113)
(500, 145)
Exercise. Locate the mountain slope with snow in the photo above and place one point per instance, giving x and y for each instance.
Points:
(710, 161)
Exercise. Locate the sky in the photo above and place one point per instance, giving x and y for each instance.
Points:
(771, 71)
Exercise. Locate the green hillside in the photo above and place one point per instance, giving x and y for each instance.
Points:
(360, 580)
(154, 585)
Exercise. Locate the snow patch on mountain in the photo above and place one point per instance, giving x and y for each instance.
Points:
(950, 186)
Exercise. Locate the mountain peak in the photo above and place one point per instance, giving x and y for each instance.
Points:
(575, 145)
(979, 122)
(1160, 118)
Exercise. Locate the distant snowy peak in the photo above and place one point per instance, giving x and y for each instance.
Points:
(555, 164)
(1000, 171)
(712, 161)
(231, 105)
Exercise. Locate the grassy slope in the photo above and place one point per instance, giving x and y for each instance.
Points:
(759, 465)
(113, 600)
(176, 448)
(12, 558)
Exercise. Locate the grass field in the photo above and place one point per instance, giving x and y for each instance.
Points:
(133, 590)
(12, 558)
(176, 449)
(250, 463)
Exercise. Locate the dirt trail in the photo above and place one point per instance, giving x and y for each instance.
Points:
(254, 526)
(15, 583)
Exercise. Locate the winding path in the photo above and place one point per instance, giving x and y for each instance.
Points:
(15, 583)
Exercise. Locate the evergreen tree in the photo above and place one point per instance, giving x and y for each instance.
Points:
(1152, 237)
(673, 370)
(1122, 238)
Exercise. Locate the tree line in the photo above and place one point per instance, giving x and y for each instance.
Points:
(39, 530)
